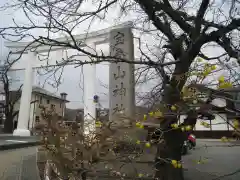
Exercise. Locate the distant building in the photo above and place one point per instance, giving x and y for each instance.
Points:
(40, 98)
(220, 126)
(72, 114)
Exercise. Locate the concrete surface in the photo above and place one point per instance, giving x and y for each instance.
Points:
(8, 141)
(19, 164)
(211, 160)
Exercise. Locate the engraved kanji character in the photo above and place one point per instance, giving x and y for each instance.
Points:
(119, 73)
(119, 38)
(119, 91)
(118, 109)
(119, 53)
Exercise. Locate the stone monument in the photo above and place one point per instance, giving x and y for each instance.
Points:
(121, 76)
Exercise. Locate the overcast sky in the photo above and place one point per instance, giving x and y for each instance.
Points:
(72, 78)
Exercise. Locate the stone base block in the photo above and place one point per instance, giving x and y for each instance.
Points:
(21, 132)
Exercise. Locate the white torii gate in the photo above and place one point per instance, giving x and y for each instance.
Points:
(90, 40)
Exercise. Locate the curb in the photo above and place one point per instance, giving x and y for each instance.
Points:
(18, 145)
(209, 140)
(218, 140)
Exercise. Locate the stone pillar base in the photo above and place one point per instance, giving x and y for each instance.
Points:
(21, 132)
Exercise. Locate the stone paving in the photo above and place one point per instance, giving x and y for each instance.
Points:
(18, 164)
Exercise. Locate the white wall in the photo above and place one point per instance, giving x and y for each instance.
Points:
(31, 118)
(231, 127)
(199, 127)
(219, 123)
(2, 97)
(181, 119)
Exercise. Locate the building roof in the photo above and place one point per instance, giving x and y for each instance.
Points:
(39, 90)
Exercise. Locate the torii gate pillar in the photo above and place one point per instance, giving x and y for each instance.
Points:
(24, 111)
(89, 91)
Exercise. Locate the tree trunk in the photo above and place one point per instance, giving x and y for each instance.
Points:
(169, 149)
(8, 125)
